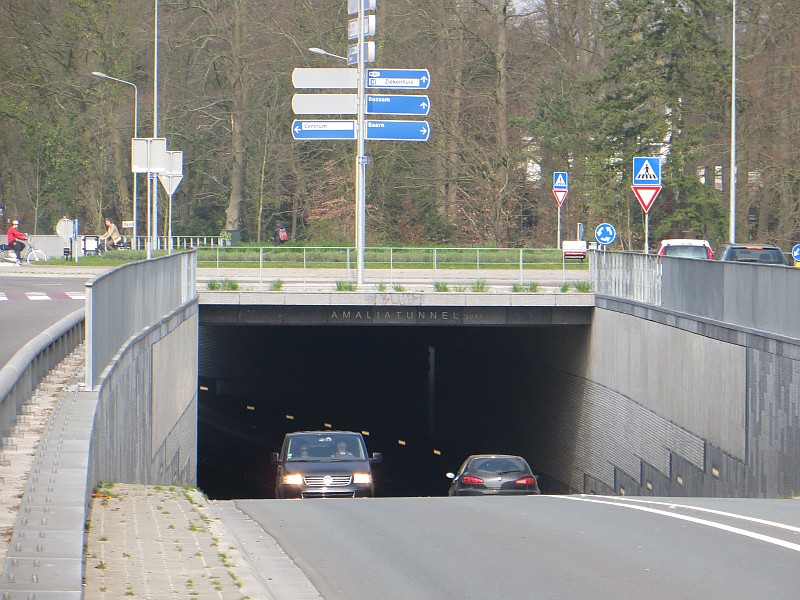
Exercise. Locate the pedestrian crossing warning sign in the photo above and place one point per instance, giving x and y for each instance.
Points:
(646, 170)
(560, 180)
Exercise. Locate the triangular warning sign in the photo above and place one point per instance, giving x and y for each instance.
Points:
(646, 194)
(560, 195)
(560, 183)
(647, 172)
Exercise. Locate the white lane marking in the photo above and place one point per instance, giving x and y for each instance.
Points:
(714, 512)
(3, 297)
(728, 528)
(77, 295)
(37, 296)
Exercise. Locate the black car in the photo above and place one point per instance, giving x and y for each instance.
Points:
(493, 475)
(324, 464)
(768, 254)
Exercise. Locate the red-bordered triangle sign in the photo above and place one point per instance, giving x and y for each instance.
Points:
(646, 194)
(560, 195)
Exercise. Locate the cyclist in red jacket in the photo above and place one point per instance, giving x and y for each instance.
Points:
(14, 238)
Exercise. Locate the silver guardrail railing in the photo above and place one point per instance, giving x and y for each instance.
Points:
(388, 259)
(28, 367)
(123, 301)
(626, 275)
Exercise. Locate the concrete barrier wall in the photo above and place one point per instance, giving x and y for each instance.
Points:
(145, 426)
(20, 376)
(648, 402)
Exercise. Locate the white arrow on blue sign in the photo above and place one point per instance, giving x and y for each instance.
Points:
(646, 170)
(605, 233)
(398, 79)
(398, 105)
(560, 180)
(796, 253)
(324, 130)
(399, 131)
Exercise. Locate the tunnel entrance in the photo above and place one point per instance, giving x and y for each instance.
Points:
(425, 397)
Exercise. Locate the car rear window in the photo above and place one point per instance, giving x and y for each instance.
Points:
(771, 256)
(686, 251)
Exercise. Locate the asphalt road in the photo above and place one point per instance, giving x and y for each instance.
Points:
(29, 304)
(539, 547)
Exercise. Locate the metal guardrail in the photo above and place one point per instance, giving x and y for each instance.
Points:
(387, 259)
(27, 368)
(123, 301)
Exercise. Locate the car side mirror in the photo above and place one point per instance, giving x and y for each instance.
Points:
(377, 457)
(450, 475)
(274, 458)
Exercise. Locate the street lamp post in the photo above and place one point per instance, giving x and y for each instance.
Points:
(135, 134)
(361, 158)
(733, 129)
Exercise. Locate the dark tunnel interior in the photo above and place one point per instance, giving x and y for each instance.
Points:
(426, 398)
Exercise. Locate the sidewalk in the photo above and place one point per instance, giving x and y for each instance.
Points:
(141, 541)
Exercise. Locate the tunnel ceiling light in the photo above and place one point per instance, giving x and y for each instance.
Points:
(401, 442)
(437, 452)
(290, 417)
(364, 432)
(250, 407)
(327, 425)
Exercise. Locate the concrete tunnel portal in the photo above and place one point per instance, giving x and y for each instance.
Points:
(428, 396)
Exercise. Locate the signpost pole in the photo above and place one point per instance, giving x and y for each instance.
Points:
(361, 159)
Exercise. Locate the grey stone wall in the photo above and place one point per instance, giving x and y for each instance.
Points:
(145, 426)
(657, 409)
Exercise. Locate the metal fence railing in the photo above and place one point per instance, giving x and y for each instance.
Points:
(385, 259)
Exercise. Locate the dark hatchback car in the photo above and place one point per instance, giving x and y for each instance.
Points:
(493, 475)
(767, 254)
(324, 464)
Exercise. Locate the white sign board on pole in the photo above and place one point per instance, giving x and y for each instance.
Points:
(352, 6)
(172, 176)
(325, 104)
(369, 25)
(327, 78)
(148, 155)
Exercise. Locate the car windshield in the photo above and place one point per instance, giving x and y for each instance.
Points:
(325, 447)
(686, 251)
(498, 465)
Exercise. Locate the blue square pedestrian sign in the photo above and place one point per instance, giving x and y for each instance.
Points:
(560, 180)
(646, 170)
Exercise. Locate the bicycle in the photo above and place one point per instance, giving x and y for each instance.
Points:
(33, 254)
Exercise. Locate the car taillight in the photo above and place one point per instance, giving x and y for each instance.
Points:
(471, 479)
(526, 481)
(710, 253)
(663, 251)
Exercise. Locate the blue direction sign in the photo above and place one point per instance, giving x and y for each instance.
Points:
(796, 253)
(398, 105)
(324, 130)
(401, 131)
(646, 170)
(398, 79)
(605, 234)
(560, 180)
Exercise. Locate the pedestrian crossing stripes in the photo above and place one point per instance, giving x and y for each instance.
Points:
(38, 296)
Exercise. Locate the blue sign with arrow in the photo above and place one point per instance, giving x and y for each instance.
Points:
(398, 105)
(324, 130)
(796, 253)
(560, 180)
(605, 234)
(646, 170)
(398, 79)
(401, 131)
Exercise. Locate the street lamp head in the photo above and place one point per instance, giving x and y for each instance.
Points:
(317, 50)
(99, 74)
(326, 53)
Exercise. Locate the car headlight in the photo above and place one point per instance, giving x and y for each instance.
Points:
(293, 479)
(361, 478)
